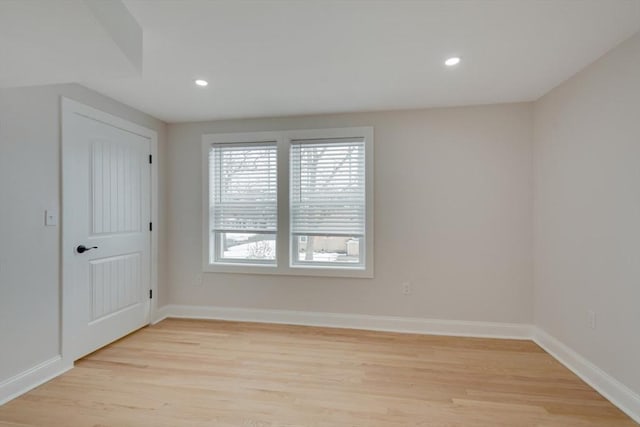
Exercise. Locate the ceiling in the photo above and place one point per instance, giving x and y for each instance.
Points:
(61, 41)
(273, 58)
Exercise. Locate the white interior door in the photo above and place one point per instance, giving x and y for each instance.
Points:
(106, 229)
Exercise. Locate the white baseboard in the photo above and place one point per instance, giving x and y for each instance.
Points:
(160, 314)
(32, 378)
(352, 321)
(613, 390)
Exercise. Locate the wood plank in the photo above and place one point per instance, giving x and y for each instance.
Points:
(213, 373)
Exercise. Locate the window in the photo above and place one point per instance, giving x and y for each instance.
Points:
(327, 201)
(243, 202)
(291, 202)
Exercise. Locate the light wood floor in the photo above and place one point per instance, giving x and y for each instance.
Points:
(209, 373)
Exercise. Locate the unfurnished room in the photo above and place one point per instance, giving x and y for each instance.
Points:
(319, 213)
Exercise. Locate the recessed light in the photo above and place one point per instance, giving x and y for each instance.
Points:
(201, 82)
(450, 62)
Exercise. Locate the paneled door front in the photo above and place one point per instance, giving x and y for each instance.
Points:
(106, 228)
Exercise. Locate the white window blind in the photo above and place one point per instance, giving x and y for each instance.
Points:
(243, 187)
(327, 195)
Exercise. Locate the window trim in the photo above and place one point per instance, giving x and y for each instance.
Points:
(284, 265)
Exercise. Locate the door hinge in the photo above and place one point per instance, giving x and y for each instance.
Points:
(150, 226)
(150, 293)
(150, 159)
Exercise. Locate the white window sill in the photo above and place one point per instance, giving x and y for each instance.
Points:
(298, 270)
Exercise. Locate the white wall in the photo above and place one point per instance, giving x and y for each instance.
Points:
(29, 251)
(587, 212)
(453, 191)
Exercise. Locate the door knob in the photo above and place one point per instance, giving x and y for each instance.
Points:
(82, 249)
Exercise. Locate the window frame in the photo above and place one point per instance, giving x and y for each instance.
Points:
(284, 249)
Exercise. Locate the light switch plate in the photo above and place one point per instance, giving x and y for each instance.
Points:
(50, 218)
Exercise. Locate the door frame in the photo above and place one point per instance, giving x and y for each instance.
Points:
(69, 107)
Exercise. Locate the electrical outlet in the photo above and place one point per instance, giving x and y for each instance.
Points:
(197, 281)
(591, 315)
(406, 288)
